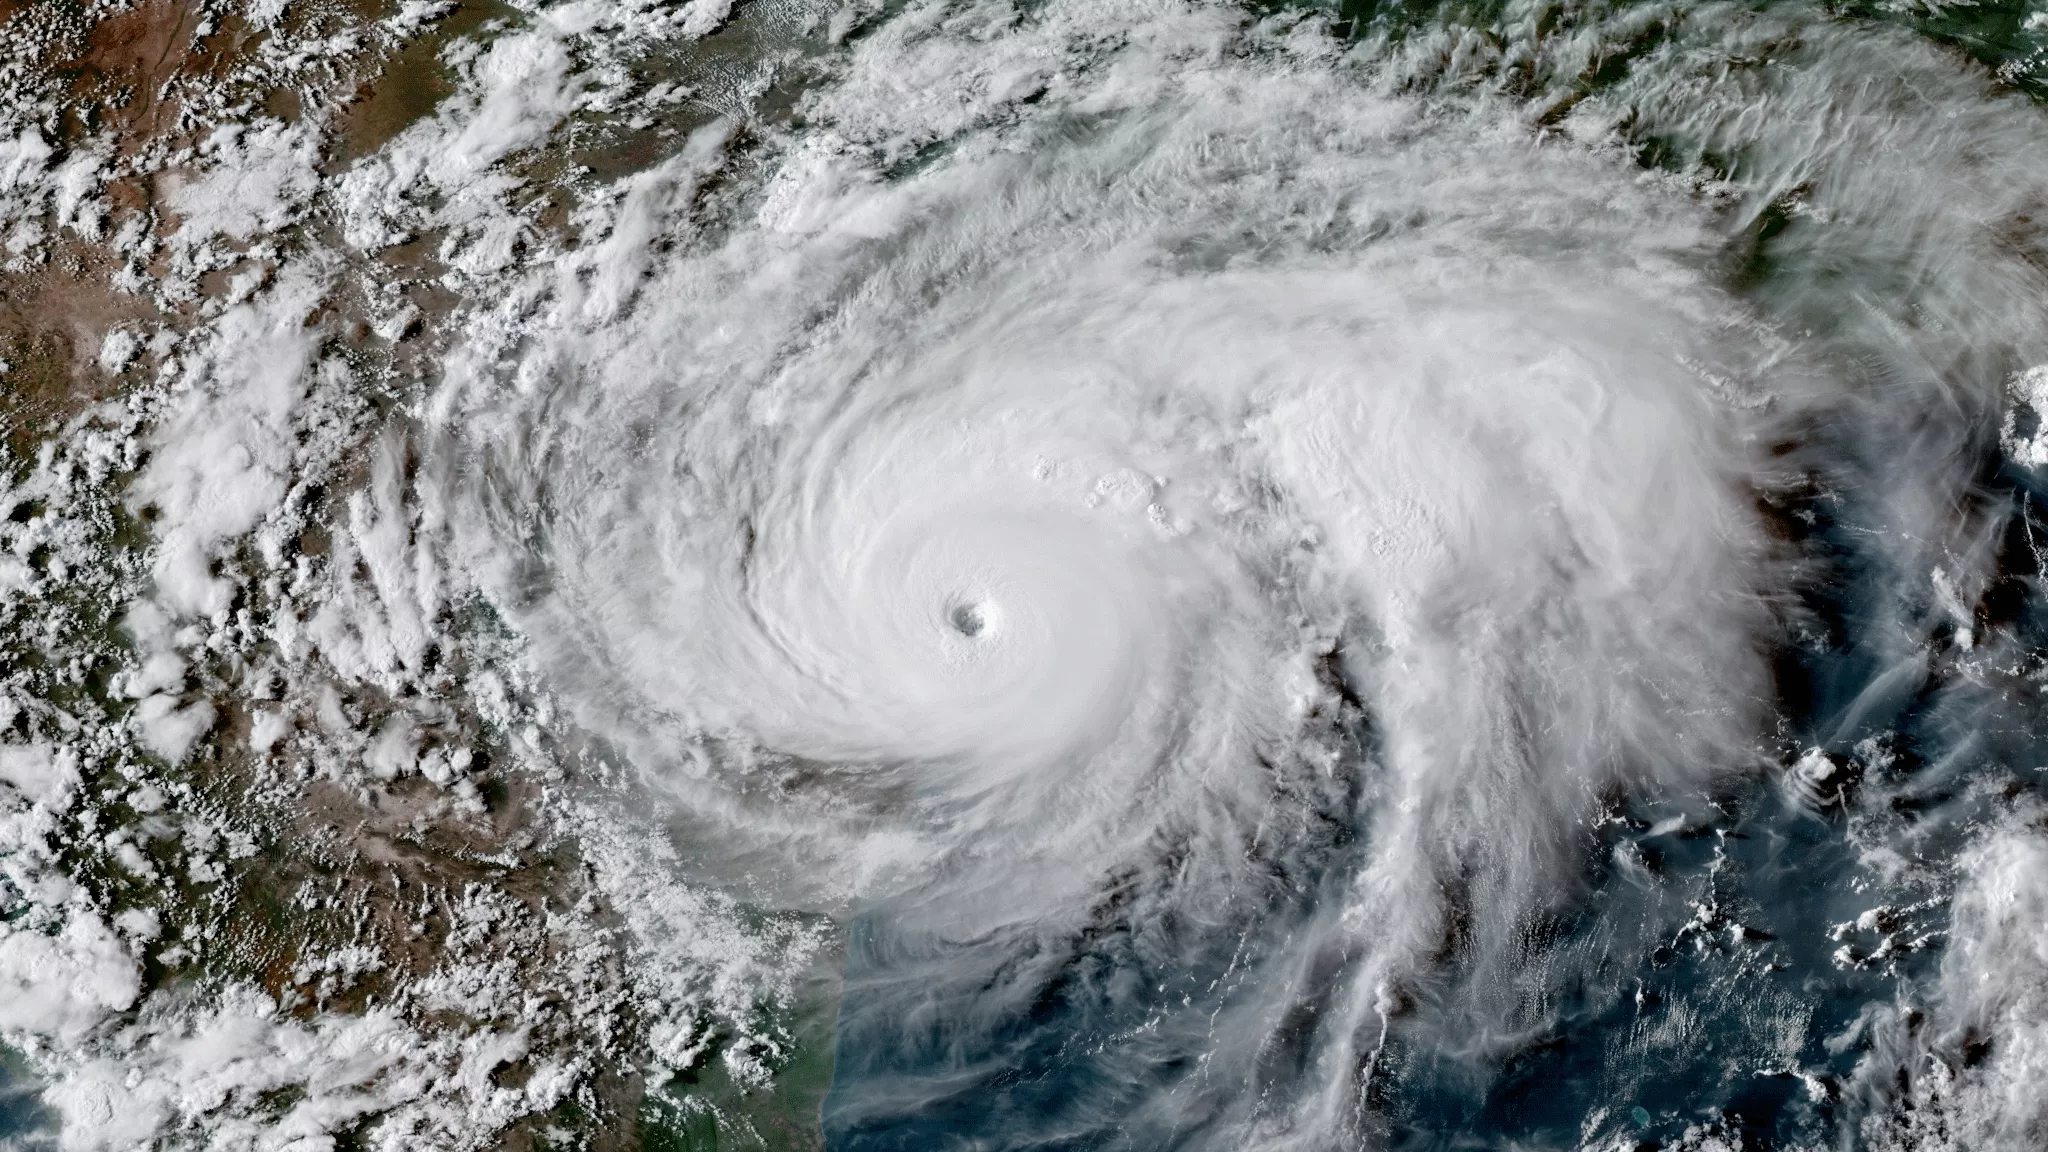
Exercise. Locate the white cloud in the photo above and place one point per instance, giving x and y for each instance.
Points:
(223, 454)
(254, 180)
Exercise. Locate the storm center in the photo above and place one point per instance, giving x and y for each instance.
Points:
(968, 619)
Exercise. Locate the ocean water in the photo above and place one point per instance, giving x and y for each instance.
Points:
(24, 1122)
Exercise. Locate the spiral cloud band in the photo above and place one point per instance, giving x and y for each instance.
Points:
(1130, 514)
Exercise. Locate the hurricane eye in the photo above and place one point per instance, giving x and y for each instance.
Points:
(967, 620)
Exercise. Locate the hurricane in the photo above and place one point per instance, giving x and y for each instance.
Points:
(973, 574)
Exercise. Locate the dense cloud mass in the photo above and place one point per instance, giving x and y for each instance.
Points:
(970, 543)
(1079, 574)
